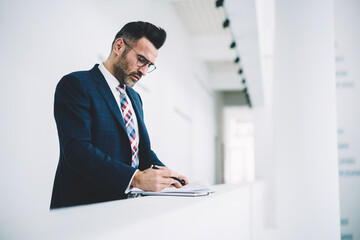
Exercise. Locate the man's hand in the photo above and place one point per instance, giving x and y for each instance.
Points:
(155, 180)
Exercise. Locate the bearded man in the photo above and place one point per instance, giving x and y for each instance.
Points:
(105, 148)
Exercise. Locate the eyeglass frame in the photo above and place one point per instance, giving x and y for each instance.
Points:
(139, 61)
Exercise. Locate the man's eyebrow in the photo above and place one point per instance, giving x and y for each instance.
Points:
(149, 62)
(143, 57)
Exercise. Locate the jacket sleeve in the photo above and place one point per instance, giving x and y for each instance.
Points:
(72, 110)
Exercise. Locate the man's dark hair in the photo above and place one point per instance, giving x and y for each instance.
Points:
(136, 30)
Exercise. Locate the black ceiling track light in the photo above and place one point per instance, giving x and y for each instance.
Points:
(226, 23)
(233, 45)
(219, 3)
(247, 96)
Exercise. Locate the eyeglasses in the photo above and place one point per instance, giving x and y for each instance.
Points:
(142, 61)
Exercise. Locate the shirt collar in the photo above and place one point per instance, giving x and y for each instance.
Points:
(110, 79)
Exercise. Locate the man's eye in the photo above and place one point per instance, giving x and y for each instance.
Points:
(143, 60)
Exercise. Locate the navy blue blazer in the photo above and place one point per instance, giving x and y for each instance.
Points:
(95, 153)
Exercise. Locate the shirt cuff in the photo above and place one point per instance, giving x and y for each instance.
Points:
(128, 189)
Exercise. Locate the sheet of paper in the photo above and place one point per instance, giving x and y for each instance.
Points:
(197, 188)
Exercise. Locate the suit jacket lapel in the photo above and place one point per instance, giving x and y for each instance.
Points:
(108, 95)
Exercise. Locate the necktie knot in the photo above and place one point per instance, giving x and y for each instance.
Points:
(121, 88)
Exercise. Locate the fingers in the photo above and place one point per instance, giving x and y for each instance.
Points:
(165, 182)
(177, 184)
(183, 181)
(152, 180)
(184, 178)
(170, 182)
(164, 177)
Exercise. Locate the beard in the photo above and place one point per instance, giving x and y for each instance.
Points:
(122, 72)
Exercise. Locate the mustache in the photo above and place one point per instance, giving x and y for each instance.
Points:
(139, 74)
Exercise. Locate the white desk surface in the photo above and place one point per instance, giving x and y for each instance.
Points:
(151, 217)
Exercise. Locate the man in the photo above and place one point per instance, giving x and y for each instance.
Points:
(104, 145)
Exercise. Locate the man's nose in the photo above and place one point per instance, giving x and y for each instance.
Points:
(144, 69)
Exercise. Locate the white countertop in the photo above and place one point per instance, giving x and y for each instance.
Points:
(151, 217)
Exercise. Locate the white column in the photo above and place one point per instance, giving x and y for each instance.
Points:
(307, 196)
(347, 50)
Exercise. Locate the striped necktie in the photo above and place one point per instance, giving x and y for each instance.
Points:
(130, 126)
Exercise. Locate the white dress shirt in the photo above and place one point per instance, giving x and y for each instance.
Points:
(113, 84)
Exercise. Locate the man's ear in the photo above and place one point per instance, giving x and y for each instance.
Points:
(118, 46)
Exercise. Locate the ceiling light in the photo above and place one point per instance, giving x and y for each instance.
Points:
(219, 3)
(226, 23)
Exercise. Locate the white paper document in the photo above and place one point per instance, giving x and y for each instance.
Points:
(194, 189)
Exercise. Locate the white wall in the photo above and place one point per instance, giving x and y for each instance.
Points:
(265, 162)
(43, 40)
(307, 195)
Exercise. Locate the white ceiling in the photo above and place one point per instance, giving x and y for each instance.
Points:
(212, 42)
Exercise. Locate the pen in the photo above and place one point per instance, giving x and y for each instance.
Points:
(175, 178)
